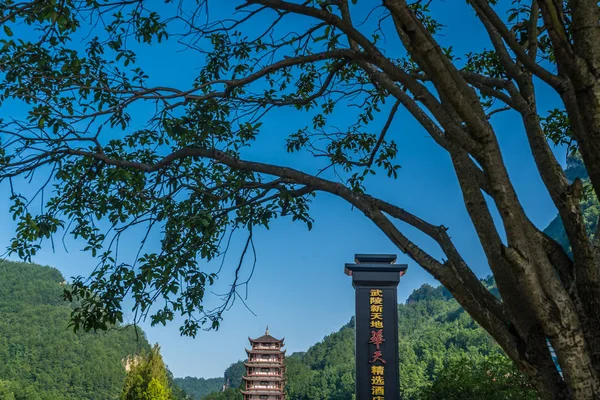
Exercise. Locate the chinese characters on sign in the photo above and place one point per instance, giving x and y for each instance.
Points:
(375, 278)
(376, 339)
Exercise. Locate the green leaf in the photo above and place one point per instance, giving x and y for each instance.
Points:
(7, 31)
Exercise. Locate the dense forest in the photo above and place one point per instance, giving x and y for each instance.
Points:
(40, 359)
(435, 334)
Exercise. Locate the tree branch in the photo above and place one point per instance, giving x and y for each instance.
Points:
(487, 14)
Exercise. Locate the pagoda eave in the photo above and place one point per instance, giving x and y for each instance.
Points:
(258, 364)
(263, 378)
(265, 351)
(266, 339)
(263, 392)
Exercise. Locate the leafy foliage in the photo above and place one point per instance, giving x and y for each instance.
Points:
(194, 203)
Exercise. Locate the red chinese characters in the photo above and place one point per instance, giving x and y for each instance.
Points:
(377, 338)
(377, 357)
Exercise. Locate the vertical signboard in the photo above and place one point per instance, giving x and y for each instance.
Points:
(375, 279)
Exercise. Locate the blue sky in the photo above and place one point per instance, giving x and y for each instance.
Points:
(299, 288)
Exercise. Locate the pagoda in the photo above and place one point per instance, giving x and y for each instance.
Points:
(265, 369)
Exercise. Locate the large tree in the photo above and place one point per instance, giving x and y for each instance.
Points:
(184, 174)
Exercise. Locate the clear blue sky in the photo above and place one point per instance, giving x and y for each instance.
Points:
(299, 288)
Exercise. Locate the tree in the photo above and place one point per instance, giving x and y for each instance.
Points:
(184, 173)
(147, 378)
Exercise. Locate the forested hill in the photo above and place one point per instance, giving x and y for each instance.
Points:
(40, 358)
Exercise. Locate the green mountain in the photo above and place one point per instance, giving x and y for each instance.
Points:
(40, 358)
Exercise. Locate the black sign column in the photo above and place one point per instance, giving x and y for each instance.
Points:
(375, 278)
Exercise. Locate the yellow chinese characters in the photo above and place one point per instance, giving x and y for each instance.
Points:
(377, 390)
(377, 370)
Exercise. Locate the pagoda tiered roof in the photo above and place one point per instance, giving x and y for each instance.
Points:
(257, 383)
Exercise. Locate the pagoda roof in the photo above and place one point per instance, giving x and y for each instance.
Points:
(266, 338)
(263, 378)
(265, 351)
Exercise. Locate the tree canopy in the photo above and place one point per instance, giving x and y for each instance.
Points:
(181, 166)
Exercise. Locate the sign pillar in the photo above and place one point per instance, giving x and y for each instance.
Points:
(375, 279)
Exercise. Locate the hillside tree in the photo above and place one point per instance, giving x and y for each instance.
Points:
(147, 378)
